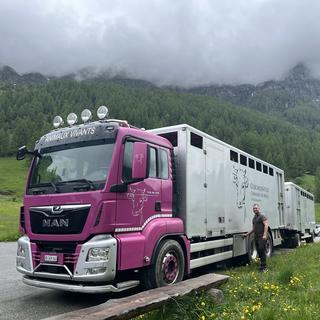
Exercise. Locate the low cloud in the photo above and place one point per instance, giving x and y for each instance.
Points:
(188, 42)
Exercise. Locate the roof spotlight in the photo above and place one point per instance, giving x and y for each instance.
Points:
(86, 115)
(72, 119)
(102, 112)
(57, 122)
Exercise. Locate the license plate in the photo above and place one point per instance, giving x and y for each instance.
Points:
(50, 258)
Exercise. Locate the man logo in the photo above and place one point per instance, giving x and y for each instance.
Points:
(55, 223)
(56, 209)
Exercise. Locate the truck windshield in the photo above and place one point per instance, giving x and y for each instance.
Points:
(71, 168)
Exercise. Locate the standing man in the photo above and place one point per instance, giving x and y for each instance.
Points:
(260, 229)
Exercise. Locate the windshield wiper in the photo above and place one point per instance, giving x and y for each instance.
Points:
(88, 183)
(35, 187)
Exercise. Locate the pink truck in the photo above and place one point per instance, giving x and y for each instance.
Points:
(109, 206)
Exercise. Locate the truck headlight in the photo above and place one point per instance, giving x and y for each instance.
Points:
(98, 254)
(21, 252)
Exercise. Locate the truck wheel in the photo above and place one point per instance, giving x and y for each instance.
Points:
(296, 242)
(269, 245)
(287, 242)
(168, 267)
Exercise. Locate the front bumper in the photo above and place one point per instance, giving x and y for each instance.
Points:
(80, 287)
(62, 278)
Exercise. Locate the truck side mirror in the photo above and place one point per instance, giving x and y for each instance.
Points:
(21, 153)
(139, 161)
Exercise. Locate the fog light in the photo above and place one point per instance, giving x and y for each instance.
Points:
(96, 270)
(98, 254)
(21, 252)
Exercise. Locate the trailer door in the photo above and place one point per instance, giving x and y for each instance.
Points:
(280, 186)
(298, 209)
(196, 217)
(214, 192)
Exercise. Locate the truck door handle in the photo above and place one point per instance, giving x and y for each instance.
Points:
(157, 206)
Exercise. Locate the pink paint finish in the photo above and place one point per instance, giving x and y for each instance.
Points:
(187, 251)
(131, 249)
(105, 218)
(94, 198)
(139, 168)
(136, 249)
(119, 210)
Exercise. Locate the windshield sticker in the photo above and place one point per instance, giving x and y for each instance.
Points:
(70, 134)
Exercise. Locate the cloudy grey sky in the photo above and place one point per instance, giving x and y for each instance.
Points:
(184, 42)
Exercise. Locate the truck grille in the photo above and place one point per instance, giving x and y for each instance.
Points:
(70, 257)
(68, 219)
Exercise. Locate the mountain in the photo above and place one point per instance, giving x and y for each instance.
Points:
(299, 85)
(8, 76)
(295, 98)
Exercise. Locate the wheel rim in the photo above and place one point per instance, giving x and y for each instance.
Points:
(268, 247)
(253, 251)
(170, 267)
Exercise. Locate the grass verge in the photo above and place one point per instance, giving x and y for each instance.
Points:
(12, 180)
(290, 290)
(13, 175)
(9, 219)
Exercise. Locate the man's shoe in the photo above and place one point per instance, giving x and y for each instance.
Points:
(263, 270)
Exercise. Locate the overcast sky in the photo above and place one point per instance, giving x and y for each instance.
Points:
(186, 42)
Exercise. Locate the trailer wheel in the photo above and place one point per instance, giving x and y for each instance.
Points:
(168, 267)
(310, 239)
(296, 242)
(269, 245)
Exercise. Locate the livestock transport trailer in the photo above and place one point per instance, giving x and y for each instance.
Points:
(299, 215)
(109, 206)
(217, 185)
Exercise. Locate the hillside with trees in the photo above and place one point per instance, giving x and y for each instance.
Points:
(26, 112)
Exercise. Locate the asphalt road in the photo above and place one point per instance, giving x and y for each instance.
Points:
(19, 301)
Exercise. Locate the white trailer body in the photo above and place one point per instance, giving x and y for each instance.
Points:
(217, 185)
(299, 210)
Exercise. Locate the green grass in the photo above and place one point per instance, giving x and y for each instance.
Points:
(9, 219)
(290, 290)
(13, 175)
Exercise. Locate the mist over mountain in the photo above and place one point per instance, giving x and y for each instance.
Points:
(298, 85)
(177, 43)
(278, 121)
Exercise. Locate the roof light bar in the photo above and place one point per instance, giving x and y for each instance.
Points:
(102, 112)
(86, 115)
(57, 122)
(72, 119)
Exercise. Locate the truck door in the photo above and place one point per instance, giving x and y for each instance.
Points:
(142, 199)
